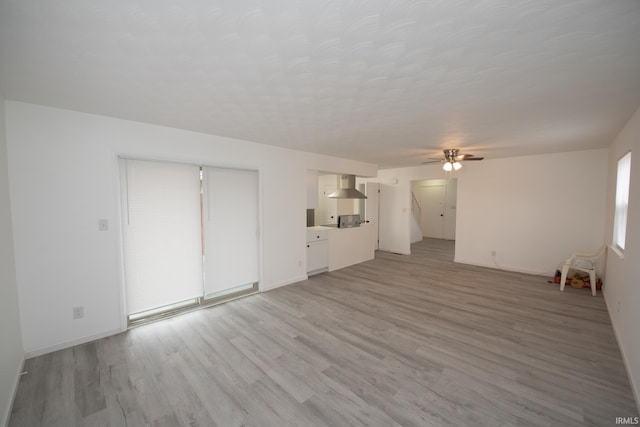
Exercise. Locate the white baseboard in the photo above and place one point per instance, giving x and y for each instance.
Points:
(625, 360)
(501, 267)
(285, 283)
(16, 382)
(393, 251)
(71, 343)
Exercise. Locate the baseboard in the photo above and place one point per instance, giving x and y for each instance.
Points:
(625, 360)
(16, 382)
(501, 267)
(394, 251)
(285, 283)
(71, 343)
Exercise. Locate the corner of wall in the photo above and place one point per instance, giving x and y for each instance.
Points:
(620, 290)
(12, 350)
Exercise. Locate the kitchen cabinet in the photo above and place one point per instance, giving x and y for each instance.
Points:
(317, 250)
(330, 249)
(317, 256)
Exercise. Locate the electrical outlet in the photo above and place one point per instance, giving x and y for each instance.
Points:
(78, 312)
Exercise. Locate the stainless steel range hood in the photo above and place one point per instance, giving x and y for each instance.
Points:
(347, 189)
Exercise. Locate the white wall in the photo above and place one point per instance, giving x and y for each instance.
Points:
(534, 211)
(63, 176)
(327, 207)
(11, 350)
(622, 277)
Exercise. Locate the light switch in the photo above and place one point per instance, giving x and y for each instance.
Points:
(103, 224)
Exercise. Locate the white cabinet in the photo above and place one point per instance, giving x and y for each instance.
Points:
(317, 256)
(314, 234)
(317, 250)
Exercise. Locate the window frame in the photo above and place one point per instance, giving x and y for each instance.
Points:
(621, 203)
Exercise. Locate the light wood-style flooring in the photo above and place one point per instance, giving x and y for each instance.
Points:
(400, 340)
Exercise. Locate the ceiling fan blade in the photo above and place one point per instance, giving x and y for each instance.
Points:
(465, 157)
(452, 156)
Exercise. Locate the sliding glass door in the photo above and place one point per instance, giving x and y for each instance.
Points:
(190, 234)
(161, 230)
(230, 219)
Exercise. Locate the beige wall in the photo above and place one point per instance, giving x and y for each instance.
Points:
(622, 277)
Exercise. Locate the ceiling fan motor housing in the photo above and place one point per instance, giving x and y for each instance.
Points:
(451, 155)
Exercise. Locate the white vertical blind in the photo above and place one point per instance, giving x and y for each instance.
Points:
(162, 237)
(230, 228)
(622, 201)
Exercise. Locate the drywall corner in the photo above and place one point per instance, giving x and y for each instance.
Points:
(12, 348)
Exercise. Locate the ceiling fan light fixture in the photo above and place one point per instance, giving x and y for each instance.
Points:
(456, 165)
(448, 166)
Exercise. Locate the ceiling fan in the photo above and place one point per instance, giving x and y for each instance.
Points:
(452, 159)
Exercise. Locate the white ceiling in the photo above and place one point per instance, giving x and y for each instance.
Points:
(389, 82)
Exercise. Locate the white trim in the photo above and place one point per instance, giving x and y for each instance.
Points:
(285, 283)
(500, 267)
(16, 382)
(617, 250)
(117, 229)
(391, 251)
(71, 343)
(625, 359)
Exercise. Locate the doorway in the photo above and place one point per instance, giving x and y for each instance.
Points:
(434, 207)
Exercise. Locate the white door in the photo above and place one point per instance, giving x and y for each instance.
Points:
(391, 217)
(371, 209)
(432, 201)
(330, 205)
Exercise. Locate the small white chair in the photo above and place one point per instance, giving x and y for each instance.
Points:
(588, 263)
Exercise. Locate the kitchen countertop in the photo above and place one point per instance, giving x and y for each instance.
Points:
(320, 228)
(333, 227)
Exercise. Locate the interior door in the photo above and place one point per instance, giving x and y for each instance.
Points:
(390, 220)
(371, 209)
(330, 205)
(432, 200)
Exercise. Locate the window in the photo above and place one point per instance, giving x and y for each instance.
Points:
(622, 201)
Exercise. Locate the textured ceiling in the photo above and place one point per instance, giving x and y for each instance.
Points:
(388, 82)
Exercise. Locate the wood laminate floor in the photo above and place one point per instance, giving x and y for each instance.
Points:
(400, 340)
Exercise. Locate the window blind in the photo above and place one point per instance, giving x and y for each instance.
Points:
(161, 232)
(231, 230)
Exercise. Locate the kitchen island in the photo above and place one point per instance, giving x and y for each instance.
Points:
(345, 247)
